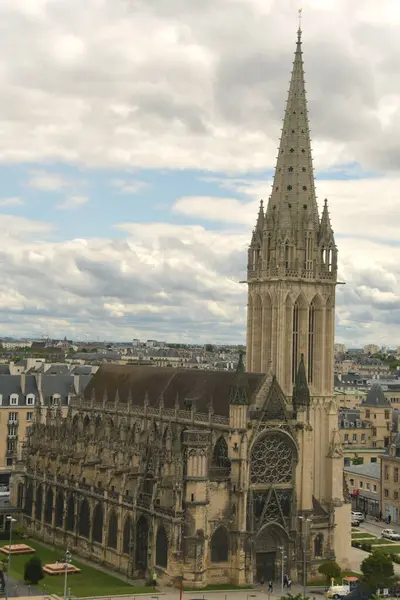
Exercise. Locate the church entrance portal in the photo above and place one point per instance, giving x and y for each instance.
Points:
(268, 552)
(265, 566)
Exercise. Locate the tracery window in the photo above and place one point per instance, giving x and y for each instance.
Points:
(70, 525)
(295, 340)
(112, 530)
(98, 524)
(272, 460)
(48, 507)
(318, 545)
(84, 519)
(39, 502)
(59, 516)
(29, 500)
(126, 539)
(220, 454)
(219, 545)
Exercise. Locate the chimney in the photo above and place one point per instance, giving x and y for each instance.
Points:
(23, 383)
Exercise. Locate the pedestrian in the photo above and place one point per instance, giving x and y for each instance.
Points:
(389, 519)
(380, 515)
(154, 579)
(262, 581)
(270, 586)
(285, 581)
(289, 584)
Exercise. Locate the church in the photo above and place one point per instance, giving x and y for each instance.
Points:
(214, 477)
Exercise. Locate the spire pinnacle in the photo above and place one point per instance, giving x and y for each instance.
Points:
(299, 29)
(301, 393)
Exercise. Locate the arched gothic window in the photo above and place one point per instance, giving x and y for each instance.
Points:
(84, 519)
(59, 516)
(272, 459)
(220, 454)
(70, 525)
(48, 507)
(161, 548)
(20, 495)
(311, 341)
(112, 531)
(126, 539)
(98, 517)
(39, 502)
(86, 422)
(295, 340)
(29, 500)
(219, 545)
(318, 545)
(142, 543)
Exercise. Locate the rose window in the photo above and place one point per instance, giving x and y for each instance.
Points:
(272, 460)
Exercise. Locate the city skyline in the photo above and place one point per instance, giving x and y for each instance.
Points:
(133, 163)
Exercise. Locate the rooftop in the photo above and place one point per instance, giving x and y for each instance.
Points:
(372, 470)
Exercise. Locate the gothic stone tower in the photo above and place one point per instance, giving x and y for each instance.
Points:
(292, 275)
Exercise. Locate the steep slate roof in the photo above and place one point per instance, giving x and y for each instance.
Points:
(4, 369)
(11, 384)
(57, 384)
(191, 384)
(367, 469)
(375, 397)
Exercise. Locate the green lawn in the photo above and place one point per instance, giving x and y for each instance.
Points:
(379, 541)
(361, 536)
(90, 582)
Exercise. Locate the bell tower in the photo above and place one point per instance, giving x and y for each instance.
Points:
(292, 262)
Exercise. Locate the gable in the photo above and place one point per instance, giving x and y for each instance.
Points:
(274, 408)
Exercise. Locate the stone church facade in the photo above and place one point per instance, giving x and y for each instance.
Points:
(214, 477)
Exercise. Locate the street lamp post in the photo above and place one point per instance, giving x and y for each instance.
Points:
(305, 521)
(68, 558)
(282, 549)
(11, 521)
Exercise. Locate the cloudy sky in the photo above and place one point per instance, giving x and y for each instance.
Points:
(138, 136)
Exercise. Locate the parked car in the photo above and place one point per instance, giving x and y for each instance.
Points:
(390, 534)
(338, 591)
(358, 516)
(355, 522)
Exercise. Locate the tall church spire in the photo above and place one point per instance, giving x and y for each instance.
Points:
(292, 262)
(291, 225)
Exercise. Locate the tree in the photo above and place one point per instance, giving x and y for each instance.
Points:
(33, 571)
(377, 570)
(358, 460)
(330, 569)
(296, 597)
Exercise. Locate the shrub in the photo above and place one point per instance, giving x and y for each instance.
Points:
(377, 570)
(330, 569)
(33, 571)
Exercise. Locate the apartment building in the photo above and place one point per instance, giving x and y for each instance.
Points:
(19, 395)
(364, 485)
(390, 485)
(365, 431)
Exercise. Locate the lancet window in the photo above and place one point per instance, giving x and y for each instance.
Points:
(311, 341)
(295, 340)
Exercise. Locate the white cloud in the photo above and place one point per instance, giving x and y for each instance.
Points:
(203, 91)
(130, 186)
(72, 202)
(12, 201)
(47, 182)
